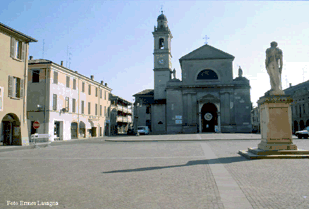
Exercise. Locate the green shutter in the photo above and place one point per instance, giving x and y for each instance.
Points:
(13, 47)
(21, 88)
(10, 87)
(55, 102)
(23, 51)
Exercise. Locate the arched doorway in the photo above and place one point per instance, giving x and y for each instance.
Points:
(209, 117)
(301, 125)
(82, 129)
(11, 130)
(307, 123)
(74, 130)
(295, 126)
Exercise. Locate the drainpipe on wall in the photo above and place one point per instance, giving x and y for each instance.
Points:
(47, 94)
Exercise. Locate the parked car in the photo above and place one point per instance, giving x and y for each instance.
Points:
(143, 130)
(304, 133)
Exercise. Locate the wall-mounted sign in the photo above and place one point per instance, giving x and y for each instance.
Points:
(178, 117)
(178, 121)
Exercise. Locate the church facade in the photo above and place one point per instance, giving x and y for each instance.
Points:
(206, 98)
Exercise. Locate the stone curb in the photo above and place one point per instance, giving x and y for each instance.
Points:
(39, 145)
(172, 140)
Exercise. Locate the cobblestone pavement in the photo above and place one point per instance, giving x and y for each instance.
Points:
(98, 174)
(267, 183)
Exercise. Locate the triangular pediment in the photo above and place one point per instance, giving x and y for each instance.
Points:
(207, 52)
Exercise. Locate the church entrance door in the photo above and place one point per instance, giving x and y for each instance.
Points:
(209, 117)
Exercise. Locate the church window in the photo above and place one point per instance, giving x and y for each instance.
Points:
(161, 43)
(207, 75)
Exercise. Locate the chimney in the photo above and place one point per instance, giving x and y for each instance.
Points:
(105, 84)
(91, 77)
(31, 57)
(101, 82)
(76, 72)
(61, 63)
(290, 84)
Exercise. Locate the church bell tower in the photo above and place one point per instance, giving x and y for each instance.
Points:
(162, 56)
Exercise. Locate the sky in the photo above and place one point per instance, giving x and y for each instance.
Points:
(113, 40)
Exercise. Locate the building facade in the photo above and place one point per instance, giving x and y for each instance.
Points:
(206, 97)
(300, 105)
(121, 115)
(255, 120)
(14, 47)
(67, 104)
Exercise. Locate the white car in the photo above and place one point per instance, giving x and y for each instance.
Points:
(304, 133)
(143, 130)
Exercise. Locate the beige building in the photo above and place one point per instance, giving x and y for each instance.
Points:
(121, 115)
(14, 47)
(300, 105)
(68, 105)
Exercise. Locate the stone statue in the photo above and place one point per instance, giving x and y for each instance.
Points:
(174, 73)
(239, 72)
(273, 65)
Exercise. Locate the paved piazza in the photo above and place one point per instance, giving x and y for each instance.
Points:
(153, 174)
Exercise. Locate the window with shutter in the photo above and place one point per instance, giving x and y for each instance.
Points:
(23, 51)
(13, 46)
(55, 77)
(89, 89)
(10, 87)
(101, 93)
(89, 110)
(96, 109)
(21, 94)
(96, 91)
(1, 98)
(105, 111)
(54, 101)
(67, 103)
(83, 87)
(83, 106)
(18, 49)
(100, 110)
(68, 82)
(35, 76)
(73, 105)
(74, 84)
(16, 87)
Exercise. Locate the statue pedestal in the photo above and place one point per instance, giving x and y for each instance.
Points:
(276, 130)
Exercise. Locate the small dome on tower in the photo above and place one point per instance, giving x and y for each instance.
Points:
(161, 17)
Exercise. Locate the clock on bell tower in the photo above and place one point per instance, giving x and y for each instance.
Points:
(162, 56)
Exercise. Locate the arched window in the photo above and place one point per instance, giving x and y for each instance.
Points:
(207, 75)
(161, 43)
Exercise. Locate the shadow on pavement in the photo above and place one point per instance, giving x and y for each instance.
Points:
(223, 160)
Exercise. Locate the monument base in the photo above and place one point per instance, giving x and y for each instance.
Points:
(264, 145)
(276, 130)
(256, 153)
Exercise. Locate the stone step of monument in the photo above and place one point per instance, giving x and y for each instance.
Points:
(250, 155)
(258, 151)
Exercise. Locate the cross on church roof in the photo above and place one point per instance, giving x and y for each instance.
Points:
(161, 9)
(206, 37)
